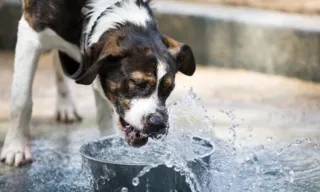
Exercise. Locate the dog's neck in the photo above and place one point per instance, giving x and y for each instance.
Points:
(102, 16)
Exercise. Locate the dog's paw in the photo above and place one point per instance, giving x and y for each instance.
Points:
(66, 112)
(16, 151)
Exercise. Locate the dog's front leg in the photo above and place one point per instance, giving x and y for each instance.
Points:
(66, 110)
(16, 149)
(106, 117)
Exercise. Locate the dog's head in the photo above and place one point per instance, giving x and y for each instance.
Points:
(137, 74)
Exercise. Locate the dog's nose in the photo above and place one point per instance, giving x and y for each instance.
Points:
(156, 124)
(156, 120)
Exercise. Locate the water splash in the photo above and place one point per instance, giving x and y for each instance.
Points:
(135, 181)
(124, 189)
(274, 166)
(266, 167)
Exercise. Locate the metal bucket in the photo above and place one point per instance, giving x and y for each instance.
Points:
(115, 177)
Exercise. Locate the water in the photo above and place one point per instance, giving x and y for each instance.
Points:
(56, 166)
(234, 167)
(118, 151)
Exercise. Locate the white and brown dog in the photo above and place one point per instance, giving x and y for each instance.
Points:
(114, 45)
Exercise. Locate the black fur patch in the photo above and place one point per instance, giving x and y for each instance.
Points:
(63, 17)
(67, 20)
(144, 48)
(118, 5)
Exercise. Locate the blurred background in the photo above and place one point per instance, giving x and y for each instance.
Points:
(258, 69)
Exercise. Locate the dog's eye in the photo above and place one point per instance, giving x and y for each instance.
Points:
(140, 84)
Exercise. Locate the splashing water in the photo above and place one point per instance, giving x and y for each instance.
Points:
(175, 150)
(274, 166)
(271, 167)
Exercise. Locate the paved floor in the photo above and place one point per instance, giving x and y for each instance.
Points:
(263, 105)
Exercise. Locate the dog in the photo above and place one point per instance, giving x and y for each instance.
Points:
(113, 45)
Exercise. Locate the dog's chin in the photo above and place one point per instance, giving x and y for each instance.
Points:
(133, 136)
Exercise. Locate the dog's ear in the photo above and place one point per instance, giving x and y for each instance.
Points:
(183, 54)
(108, 54)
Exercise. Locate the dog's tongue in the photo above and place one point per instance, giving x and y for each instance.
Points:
(128, 130)
(133, 136)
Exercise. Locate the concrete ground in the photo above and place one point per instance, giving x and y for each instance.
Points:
(263, 105)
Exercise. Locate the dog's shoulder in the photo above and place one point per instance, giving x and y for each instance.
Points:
(63, 17)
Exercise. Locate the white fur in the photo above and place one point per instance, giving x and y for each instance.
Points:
(98, 7)
(26, 59)
(30, 45)
(106, 116)
(161, 71)
(65, 107)
(50, 40)
(128, 12)
(142, 107)
(96, 84)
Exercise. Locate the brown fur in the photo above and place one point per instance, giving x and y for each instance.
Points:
(173, 45)
(140, 77)
(148, 52)
(63, 17)
(27, 13)
(167, 82)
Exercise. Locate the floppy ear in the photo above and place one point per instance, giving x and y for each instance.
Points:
(186, 63)
(98, 55)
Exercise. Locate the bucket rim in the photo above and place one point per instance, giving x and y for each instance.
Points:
(208, 143)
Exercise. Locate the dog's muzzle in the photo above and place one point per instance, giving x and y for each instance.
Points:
(156, 124)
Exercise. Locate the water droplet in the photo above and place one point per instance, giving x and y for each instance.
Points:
(316, 145)
(280, 151)
(158, 137)
(308, 140)
(177, 169)
(135, 181)
(291, 176)
(124, 189)
(298, 141)
(169, 164)
(261, 147)
(235, 125)
(269, 139)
